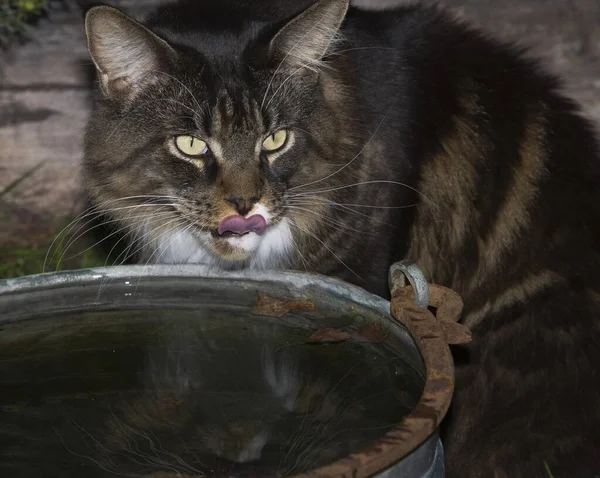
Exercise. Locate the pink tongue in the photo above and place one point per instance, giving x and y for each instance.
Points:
(240, 225)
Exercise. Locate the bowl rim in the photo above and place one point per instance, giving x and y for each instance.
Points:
(296, 279)
(401, 440)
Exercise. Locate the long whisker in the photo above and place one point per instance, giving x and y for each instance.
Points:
(352, 160)
(334, 205)
(304, 261)
(177, 224)
(101, 465)
(142, 239)
(136, 239)
(293, 223)
(102, 224)
(329, 221)
(339, 52)
(156, 459)
(95, 211)
(121, 229)
(361, 183)
(128, 253)
(367, 206)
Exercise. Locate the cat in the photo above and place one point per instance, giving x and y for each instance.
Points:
(319, 137)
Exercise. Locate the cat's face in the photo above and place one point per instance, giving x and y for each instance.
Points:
(199, 154)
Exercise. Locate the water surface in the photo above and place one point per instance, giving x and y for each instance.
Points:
(179, 392)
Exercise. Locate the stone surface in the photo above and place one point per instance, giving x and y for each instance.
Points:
(45, 95)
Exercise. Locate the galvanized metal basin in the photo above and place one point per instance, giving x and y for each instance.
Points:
(100, 366)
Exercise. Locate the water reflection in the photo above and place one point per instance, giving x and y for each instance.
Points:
(162, 394)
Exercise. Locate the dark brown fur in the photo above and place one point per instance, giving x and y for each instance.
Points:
(410, 108)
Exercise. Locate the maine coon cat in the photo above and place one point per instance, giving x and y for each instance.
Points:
(318, 137)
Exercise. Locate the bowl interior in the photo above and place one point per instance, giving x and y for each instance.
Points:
(141, 376)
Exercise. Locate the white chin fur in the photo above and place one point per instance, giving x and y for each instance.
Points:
(248, 242)
(268, 250)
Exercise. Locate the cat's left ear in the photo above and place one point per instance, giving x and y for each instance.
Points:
(127, 55)
(305, 39)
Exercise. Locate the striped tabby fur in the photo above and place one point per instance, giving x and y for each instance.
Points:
(413, 136)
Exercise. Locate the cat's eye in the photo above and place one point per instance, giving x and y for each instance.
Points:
(275, 141)
(190, 145)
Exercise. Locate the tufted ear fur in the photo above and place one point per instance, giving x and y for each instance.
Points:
(305, 39)
(124, 51)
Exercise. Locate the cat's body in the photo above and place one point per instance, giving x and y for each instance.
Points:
(397, 108)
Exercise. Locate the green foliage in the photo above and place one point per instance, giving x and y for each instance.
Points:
(18, 16)
(33, 257)
(20, 179)
(23, 260)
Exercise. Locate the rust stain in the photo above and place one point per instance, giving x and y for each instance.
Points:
(329, 335)
(373, 333)
(273, 307)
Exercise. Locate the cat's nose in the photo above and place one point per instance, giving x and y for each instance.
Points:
(243, 205)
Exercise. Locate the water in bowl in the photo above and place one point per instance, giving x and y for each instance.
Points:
(184, 393)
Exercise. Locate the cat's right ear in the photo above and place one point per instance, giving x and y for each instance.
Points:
(305, 39)
(127, 55)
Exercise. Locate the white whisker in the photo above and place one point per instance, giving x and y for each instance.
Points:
(137, 225)
(352, 160)
(345, 186)
(346, 209)
(102, 224)
(329, 221)
(304, 261)
(366, 206)
(293, 223)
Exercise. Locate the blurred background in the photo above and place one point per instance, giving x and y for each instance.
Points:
(45, 100)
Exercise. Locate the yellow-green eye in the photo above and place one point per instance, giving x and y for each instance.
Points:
(275, 141)
(190, 145)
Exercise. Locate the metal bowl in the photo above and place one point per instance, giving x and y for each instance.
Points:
(188, 371)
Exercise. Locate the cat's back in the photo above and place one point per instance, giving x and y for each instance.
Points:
(450, 77)
(427, 49)
(502, 151)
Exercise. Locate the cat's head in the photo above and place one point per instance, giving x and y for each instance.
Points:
(207, 128)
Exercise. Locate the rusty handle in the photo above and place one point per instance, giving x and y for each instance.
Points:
(432, 336)
(448, 303)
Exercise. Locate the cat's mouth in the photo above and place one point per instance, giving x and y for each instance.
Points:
(237, 236)
(236, 225)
